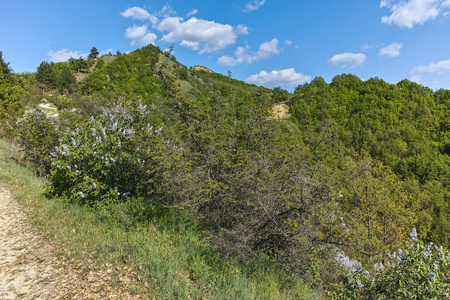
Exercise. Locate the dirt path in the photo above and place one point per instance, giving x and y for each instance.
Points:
(29, 269)
(26, 263)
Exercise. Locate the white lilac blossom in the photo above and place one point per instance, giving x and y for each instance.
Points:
(349, 264)
(141, 107)
(93, 132)
(114, 160)
(81, 194)
(378, 266)
(76, 173)
(114, 126)
(103, 129)
(431, 276)
(413, 235)
(93, 185)
(69, 168)
(119, 144)
(126, 193)
(427, 249)
(128, 133)
(65, 151)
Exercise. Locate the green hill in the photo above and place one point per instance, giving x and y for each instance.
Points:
(350, 170)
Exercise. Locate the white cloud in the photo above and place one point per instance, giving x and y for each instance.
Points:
(140, 35)
(392, 50)
(367, 46)
(284, 78)
(254, 5)
(208, 36)
(265, 51)
(107, 51)
(416, 78)
(139, 14)
(242, 30)
(347, 59)
(409, 13)
(439, 67)
(288, 42)
(65, 54)
(191, 13)
(385, 3)
(445, 4)
(166, 11)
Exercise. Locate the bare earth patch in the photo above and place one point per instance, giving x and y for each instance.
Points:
(29, 269)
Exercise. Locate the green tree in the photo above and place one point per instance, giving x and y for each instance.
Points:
(10, 92)
(94, 53)
(66, 80)
(46, 74)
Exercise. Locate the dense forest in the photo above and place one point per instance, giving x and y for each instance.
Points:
(330, 193)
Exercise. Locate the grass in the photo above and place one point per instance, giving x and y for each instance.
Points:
(165, 250)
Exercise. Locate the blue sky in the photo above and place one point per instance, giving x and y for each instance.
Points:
(272, 43)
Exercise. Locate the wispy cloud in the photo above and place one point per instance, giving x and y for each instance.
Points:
(440, 67)
(65, 55)
(392, 50)
(191, 13)
(286, 78)
(412, 12)
(347, 59)
(242, 55)
(139, 13)
(367, 47)
(416, 78)
(253, 5)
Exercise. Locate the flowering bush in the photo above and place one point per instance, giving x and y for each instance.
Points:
(101, 161)
(420, 272)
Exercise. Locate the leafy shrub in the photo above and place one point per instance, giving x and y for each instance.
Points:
(62, 102)
(38, 135)
(101, 160)
(421, 272)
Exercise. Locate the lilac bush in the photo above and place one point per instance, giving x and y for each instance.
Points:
(101, 161)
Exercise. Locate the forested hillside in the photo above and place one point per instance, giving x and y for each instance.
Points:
(329, 194)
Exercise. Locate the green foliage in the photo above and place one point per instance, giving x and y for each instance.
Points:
(56, 76)
(94, 53)
(77, 65)
(66, 81)
(100, 64)
(46, 74)
(184, 74)
(421, 272)
(377, 213)
(95, 82)
(62, 102)
(100, 161)
(38, 137)
(11, 90)
(254, 183)
(403, 126)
